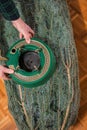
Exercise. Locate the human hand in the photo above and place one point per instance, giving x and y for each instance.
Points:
(4, 72)
(24, 30)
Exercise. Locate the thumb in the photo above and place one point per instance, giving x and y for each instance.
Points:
(8, 71)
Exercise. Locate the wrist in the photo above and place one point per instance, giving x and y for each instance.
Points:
(16, 21)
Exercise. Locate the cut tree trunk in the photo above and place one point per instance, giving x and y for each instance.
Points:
(54, 105)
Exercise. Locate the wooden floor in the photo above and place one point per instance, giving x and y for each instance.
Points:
(6, 120)
(78, 13)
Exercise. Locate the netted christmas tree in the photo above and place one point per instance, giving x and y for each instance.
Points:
(54, 105)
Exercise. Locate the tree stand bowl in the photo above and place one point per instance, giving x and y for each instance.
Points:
(33, 63)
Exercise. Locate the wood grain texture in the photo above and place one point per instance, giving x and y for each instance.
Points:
(6, 120)
(78, 11)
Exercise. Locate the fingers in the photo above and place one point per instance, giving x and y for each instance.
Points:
(31, 31)
(4, 72)
(7, 70)
(5, 77)
(28, 40)
(27, 36)
(27, 33)
(24, 29)
(20, 35)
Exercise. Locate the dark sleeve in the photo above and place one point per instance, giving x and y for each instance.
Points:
(8, 10)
